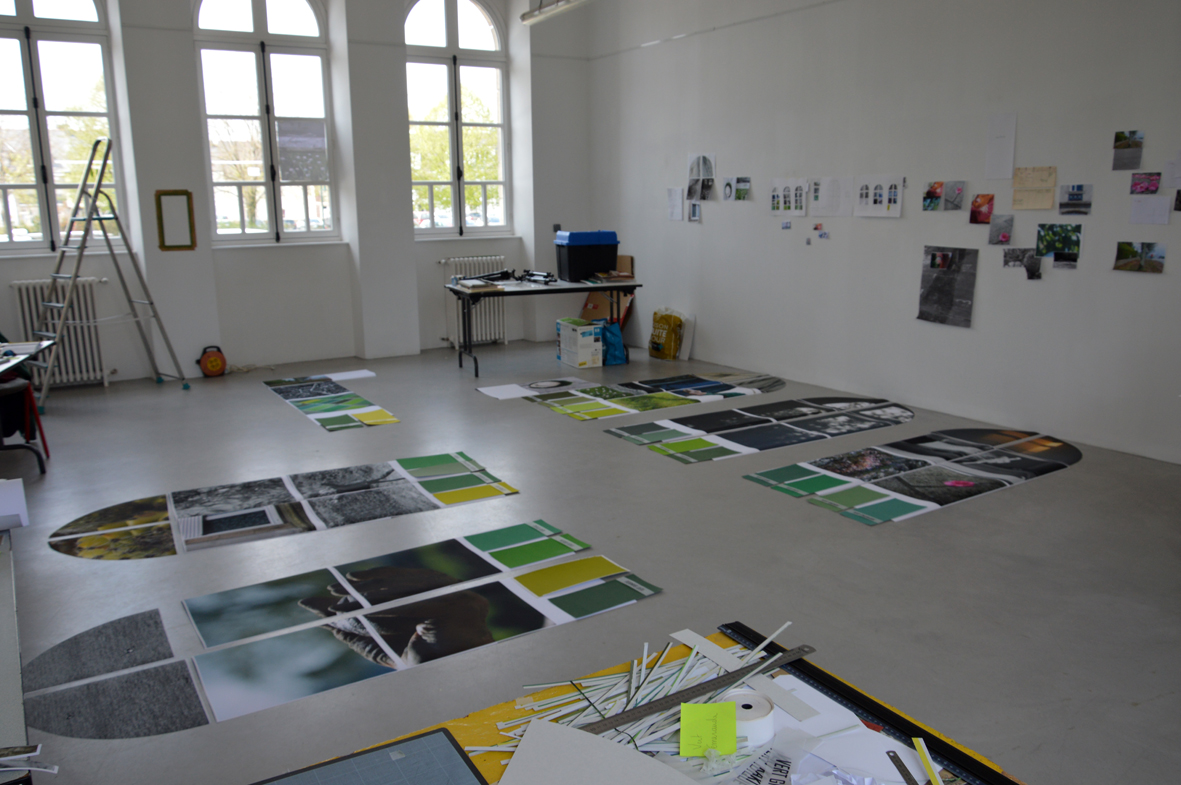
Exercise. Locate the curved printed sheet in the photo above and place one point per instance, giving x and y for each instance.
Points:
(1047, 448)
(990, 437)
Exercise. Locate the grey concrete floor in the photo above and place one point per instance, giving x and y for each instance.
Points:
(1039, 625)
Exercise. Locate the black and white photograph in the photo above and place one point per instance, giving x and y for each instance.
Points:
(894, 415)
(230, 498)
(988, 437)
(297, 392)
(840, 424)
(941, 484)
(1074, 199)
(1006, 465)
(932, 445)
(784, 410)
(701, 178)
(720, 421)
(953, 194)
(768, 437)
(844, 404)
(386, 501)
(345, 480)
(948, 285)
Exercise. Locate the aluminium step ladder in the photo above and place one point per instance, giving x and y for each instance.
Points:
(51, 319)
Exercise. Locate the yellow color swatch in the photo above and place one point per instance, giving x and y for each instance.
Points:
(709, 726)
(468, 494)
(379, 417)
(560, 576)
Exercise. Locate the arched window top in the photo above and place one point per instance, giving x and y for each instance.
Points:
(451, 24)
(277, 17)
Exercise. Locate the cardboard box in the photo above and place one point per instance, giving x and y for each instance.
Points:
(580, 344)
(598, 306)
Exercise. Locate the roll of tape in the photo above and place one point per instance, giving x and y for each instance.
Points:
(755, 716)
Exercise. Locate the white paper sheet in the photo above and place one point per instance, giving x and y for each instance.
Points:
(676, 204)
(346, 375)
(1172, 174)
(832, 196)
(1002, 145)
(13, 511)
(551, 753)
(878, 196)
(1150, 210)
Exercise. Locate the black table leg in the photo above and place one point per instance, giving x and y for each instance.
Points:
(465, 340)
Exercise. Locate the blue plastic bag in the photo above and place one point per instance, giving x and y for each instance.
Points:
(614, 351)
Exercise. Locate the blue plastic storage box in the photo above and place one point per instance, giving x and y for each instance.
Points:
(582, 254)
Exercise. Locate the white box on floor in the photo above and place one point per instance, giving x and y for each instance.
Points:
(580, 343)
(13, 512)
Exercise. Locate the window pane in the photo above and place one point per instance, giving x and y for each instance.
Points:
(235, 147)
(442, 205)
(231, 84)
(481, 153)
(294, 215)
(226, 208)
(421, 196)
(297, 83)
(475, 28)
(12, 87)
(76, 10)
(16, 150)
(426, 25)
(430, 152)
(7, 7)
(65, 207)
(320, 207)
(254, 200)
(226, 15)
(473, 205)
(291, 17)
(480, 90)
(72, 76)
(495, 205)
(303, 149)
(427, 88)
(3, 220)
(70, 140)
(24, 211)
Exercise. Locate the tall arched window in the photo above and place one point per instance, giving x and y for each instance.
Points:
(55, 100)
(264, 79)
(457, 101)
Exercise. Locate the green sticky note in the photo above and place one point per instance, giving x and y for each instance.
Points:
(882, 511)
(689, 444)
(529, 553)
(821, 482)
(339, 423)
(843, 500)
(787, 473)
(452, 483)
(709, 726)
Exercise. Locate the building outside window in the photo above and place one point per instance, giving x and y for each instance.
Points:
(457, 102)
(264, 80)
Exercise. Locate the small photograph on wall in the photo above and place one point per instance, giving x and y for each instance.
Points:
(1145, 183)
(728, 189)
(701, 177)
(948, 286)
(1140, 257)
(933, 197)
(981, 209)
(1024, 257)
(1000, 231)
(1061, 241)
(1128, 147)
(742, 192)
(695, 212)
(1074, 199)
(953, 194)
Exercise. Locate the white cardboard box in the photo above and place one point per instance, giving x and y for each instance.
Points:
(13, 512)
(580, 344)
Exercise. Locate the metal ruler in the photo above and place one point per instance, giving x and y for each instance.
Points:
(696, 691)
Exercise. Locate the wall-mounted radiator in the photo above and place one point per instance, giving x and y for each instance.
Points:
(79, 359)
(488, 316)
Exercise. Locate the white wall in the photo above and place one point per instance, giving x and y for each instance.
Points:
(861, 87)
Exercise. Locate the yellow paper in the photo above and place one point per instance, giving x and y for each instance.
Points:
(1033, 199)
(468, 494)
(709, 726)
(560, 576)
(1035, 177)
(597, 413)
(379, 417)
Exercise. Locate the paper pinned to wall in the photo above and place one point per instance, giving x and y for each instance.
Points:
(1002, 145)
(832, 196)
(1150, 210)
(1035, 177)
(676, 204)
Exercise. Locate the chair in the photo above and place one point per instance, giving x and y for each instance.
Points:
(18, 412)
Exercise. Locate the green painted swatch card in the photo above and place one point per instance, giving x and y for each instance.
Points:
(607, 595)
(511, 535)
(530, 552)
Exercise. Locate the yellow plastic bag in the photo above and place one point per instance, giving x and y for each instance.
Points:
(667, 331)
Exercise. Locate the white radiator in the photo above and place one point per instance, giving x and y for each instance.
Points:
(79, 358)
(488, 316)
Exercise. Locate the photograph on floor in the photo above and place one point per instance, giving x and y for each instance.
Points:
(948, 284)
(153, 509)
(330, 404)
(145, 542)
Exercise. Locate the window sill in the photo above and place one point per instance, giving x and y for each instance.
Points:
(271, 245)
(467, 238)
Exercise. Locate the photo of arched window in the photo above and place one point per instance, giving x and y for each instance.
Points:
(877, 195)
(864, 195)
(892, 194)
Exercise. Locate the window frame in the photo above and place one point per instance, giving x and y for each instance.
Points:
(455, 58)
(271, 43)
(46, 183)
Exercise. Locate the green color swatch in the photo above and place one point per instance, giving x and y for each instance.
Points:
(689, 444)
(339, 423)
(787, 473)
(843, 500)
(713, 453)
(452, 483)
(508, 536)
(585, 406)
(605, 596)
(529, 553)
(820, 482)
(597, 413)
(882, 511)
